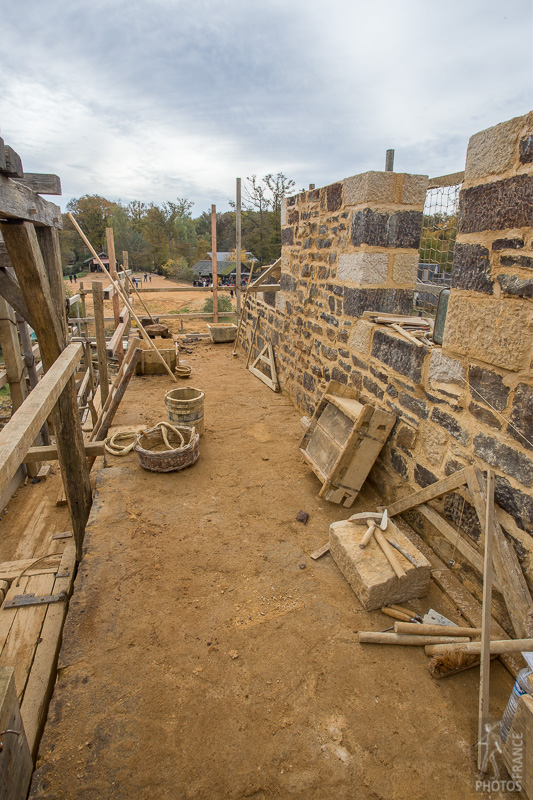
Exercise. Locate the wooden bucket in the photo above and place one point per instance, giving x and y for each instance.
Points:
(155, 456)
(185, 406)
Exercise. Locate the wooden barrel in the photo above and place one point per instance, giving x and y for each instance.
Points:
(185, 406)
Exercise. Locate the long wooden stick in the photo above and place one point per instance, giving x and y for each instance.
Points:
(435, 630)
(377, 637)
(246, 293)
(484, 676)
(119, 290)
(138, 295)
(497, 647)
(389, 554)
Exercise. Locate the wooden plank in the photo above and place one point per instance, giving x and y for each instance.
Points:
(320, 552)
(464, 601)
(118, 389)
(10, 291)
(49, 452)
(266, 287)
(16, 765)
(18, 202)
(17, 436)
(41, 183)
(116, 340)
(12, 163)
(116, 299)
(429, 493)
(8, 615)
(455, 538)
(40, 683)
(507, 567)
(484, 674)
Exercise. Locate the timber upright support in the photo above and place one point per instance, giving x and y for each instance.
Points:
(37, 265)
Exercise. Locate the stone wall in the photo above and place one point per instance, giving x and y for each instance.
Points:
(352, 247)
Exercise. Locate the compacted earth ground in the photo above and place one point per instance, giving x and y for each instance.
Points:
(206, 656)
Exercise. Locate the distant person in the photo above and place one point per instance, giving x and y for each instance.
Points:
(145, 277)
(150, 277)
(75, 278)
(70, 278)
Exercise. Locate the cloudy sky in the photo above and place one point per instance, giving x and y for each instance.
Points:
(171, 98)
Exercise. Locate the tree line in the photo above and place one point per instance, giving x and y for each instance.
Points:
(166, 238)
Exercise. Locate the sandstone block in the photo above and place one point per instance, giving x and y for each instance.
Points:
(361, 336)
(281, 304)
(494, 331)
(364, 268)
(376, 187)
(284, 211)
(494, 150)
(443, 369)
(414, 189)
(434, 442)
(405, 268)
(368, 571)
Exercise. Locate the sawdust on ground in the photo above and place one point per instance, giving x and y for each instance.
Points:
(206, 656)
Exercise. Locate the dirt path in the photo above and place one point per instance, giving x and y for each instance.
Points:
(207, 657)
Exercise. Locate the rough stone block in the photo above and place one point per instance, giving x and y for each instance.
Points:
(522, 416)
(423, 476)
(399, 354)
(287, 283)
(283, 211)
(369, 573)
(405, 268)
(434, 442)
(471, 268)
(398, 463)
(503, 457)
(373, 388)
(395, 229)
(485, 416)
(494, 150)
(496, 206)
(513, 286)
(414, 189)
(334, 196)
(507, 244)
(526, 149)
(363, 268)
(450, 424)
(389, 301)
(414, 405)
(287, 236)
(361, 336)
(376, 187)
(281, 303)
(488, 387)
(515, 502)
(502, 331)
(523, 262)
(443, 369)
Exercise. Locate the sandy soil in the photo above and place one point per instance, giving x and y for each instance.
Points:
(206, 656)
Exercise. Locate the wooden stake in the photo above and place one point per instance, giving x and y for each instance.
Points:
(484, 677)
(118, 288)
(101, 349)
(214, 261)
(238, 246)
(113, 272)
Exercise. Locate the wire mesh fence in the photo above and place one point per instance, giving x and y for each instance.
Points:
(439, 231)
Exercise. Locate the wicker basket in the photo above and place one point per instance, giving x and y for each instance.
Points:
(154, 454)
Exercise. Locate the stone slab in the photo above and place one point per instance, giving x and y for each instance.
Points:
(368, 571)
(495, 150)
(363, 268)
(405, 268)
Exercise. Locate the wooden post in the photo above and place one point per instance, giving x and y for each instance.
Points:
(389, 161)
(101, 351)
(84, 309)
(113, 273)
(214, 261)
(38, 269)
(238, 247)
(29, 360)
(484, 675)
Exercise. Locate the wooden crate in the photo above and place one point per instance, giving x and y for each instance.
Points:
(149, 363)
(343, 441)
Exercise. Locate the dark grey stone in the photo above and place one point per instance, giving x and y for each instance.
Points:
(373, 388)
(328, 352)
(524, 262)
(484, 415)
(339, 375)
(471, 268)
(453, 466)
(522, 416)
(398, 463)
(395, 229)
(309, 382)
(414, 405)
(515, 502)
(497, 206)
(381, 376)
(287, 236)
(423, 476)
(450, 424)
(503, 457)
(391, 390)
(323, 243)
(515, 287)
(488, 387)
(526, 149)
(307, 243)
(334, 196)
(331, 320)
(463, 515)
(400, 355)
(389, 301)
(507, 244)
(287, 283)
(346, 367)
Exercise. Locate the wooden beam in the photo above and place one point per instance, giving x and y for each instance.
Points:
(116, 341)
(101, 349)
(266, 287)
(16, 765)
(49, 452)
(41, 183)
(238, 244)
(20, 203)
(116, 299)
(37, 264)
(429, 493)
(118, 389)
(214, 261)
(484, 675)
(10, 291)
(17, 436)
(506, 565)
(12, 163)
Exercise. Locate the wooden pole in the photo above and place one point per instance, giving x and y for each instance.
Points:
(84, 308)
(139, 296)
(29, 360)
(214, 261)
(246, 293)
(113, 272)
(484, 675)
(36, 259)
(118, 288)
(238, 238)
(101, 351)
(389, 161)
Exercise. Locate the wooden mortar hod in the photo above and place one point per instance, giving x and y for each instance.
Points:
(150, 364)
(369, 572)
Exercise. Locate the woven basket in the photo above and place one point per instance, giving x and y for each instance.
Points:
(155, 456)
